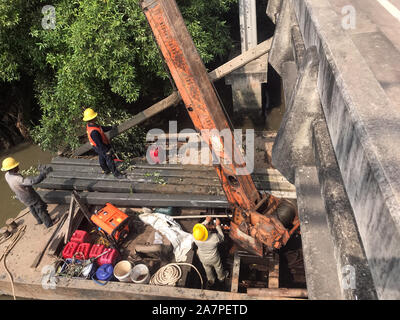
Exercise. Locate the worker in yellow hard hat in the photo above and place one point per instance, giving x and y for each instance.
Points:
(100, 142)
(207, 249)
(23, 189)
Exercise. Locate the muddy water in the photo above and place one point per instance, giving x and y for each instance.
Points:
(27, 155)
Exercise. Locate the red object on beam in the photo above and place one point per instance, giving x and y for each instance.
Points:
(69, 250)
(82, 252)
(80, 236)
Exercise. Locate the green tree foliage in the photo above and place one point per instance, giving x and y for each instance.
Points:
(101, 54)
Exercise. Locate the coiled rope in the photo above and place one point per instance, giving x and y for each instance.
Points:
(170, 274)
(19, 234)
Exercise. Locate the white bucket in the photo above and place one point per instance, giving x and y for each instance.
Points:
(140, 274)
(123, 270)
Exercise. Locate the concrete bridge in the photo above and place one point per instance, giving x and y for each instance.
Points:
(339, 141)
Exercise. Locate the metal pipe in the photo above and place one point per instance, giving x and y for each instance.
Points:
(277, 292)
(200, 216)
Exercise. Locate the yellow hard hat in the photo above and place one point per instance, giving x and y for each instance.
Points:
(200, 232)
(9, 163)
(89, 114)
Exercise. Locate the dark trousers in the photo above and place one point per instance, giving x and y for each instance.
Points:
(106, 161)
(39, 211)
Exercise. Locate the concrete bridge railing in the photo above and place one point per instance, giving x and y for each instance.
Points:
(363, 131)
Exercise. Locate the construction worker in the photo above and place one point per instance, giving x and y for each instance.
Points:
(207, 250)
(22, 187)
(100, 142)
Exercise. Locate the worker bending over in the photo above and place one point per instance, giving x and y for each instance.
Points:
(100, 143)
(207, 244)
(22, 187)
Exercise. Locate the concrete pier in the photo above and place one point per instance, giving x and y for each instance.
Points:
(246, 81)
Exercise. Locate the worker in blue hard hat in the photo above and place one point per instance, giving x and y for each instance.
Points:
(207, 249)
(22, 187)
(100, 143)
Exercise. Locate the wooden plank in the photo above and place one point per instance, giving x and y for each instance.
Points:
(277, 292)
(164, 104)
(126, 187)
(77, 220)
(152, 178)
(241, 60)
(138, 172)
(136, 200)
(82, 206)
(269, 175)
(78, 289)
(273, 276)
(80, 163)
(62, 234)
(150, 175)
(137, 165)
(44, 249)
(235, 273)
(72, 211)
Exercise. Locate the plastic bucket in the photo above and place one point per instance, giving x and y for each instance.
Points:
(122, 271)
(105, 272)
(140, 274)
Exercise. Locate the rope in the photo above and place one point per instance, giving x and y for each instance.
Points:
(17, 237)
(167, 275)
(2, 239)
(170, 274)
(24, 214)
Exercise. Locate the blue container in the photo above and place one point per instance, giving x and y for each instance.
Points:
(105, 272)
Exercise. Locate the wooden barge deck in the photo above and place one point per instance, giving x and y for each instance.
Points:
(173, 185)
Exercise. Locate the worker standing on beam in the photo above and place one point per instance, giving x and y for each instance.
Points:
(100, 143)
(207, 250)
(22, 187)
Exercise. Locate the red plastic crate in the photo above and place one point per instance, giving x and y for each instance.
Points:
(96, 250)
(69, 250)
(80, 236)
(82, 252)
(108, 258)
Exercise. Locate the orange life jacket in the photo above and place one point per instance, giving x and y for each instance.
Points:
(89, 130)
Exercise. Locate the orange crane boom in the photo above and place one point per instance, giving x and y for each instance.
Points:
(255, 226)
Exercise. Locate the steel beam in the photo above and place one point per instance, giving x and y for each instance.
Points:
(138, 199)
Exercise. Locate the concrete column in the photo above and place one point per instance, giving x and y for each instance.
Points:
(246, 81)
(248, 24)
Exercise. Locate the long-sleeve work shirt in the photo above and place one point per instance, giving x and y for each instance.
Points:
(208, 250)
(22, 187)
